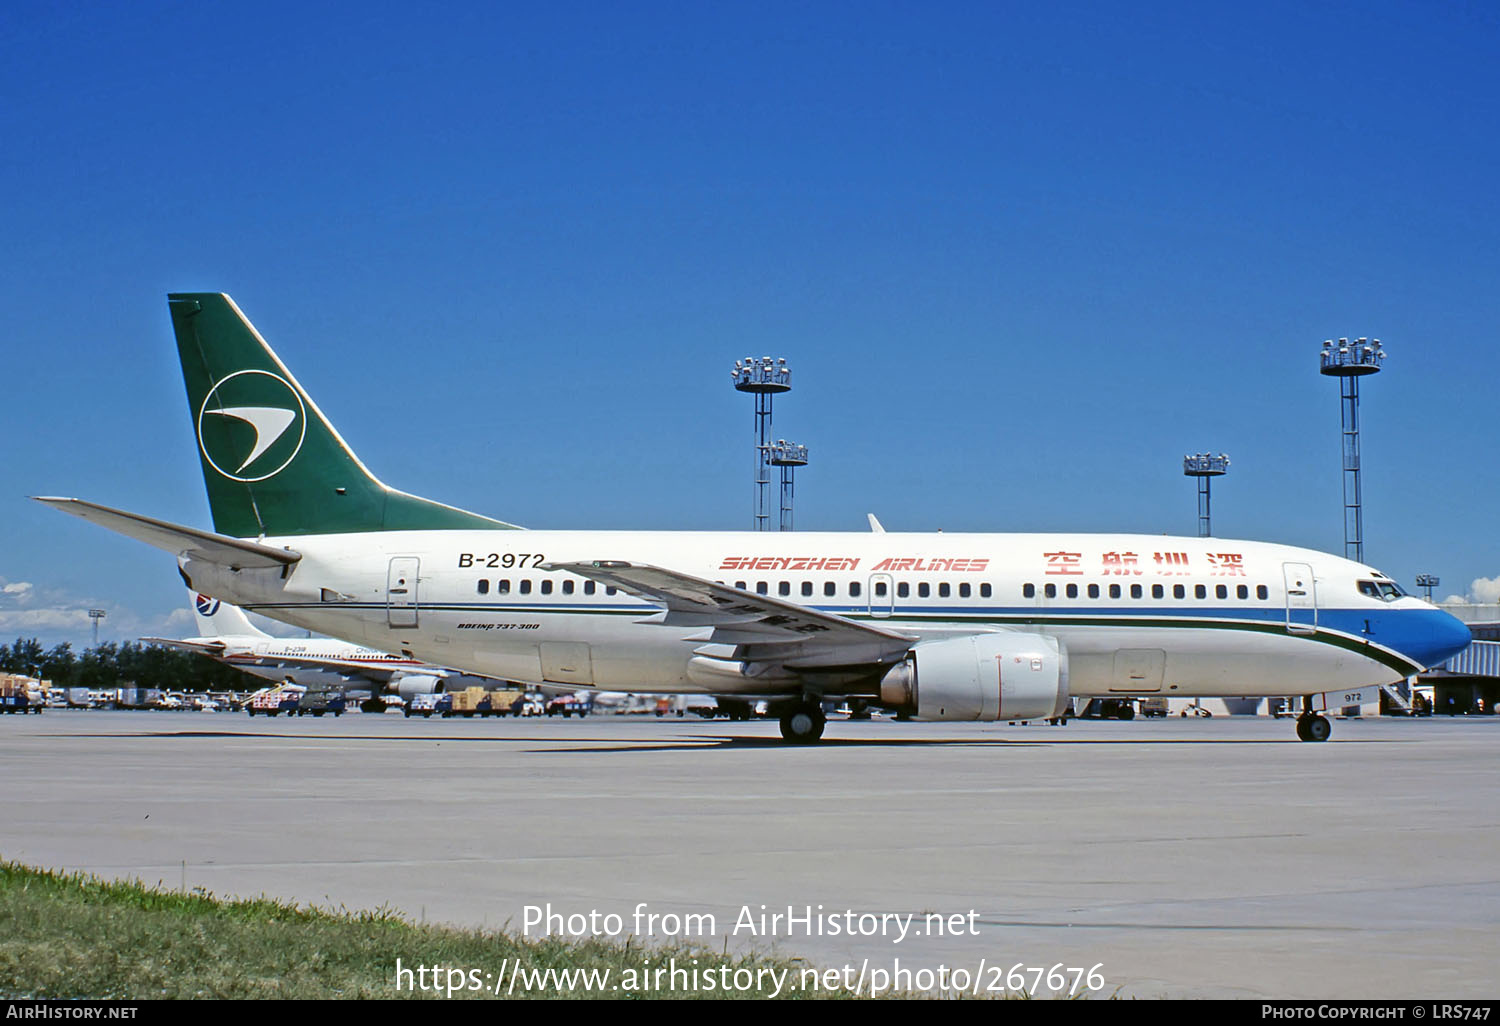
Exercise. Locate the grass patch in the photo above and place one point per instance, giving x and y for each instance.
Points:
(77, 936)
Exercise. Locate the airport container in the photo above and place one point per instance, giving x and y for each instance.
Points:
(470, 701)
(503, 702)
(132, 697)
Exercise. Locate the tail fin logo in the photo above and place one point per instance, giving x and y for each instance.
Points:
(206, 606)
(254, 422)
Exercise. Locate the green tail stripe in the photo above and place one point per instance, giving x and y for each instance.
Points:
(272, 463)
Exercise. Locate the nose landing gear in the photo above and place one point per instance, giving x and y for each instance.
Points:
(1311, 726)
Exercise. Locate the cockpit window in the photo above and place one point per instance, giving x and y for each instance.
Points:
(1386, 591)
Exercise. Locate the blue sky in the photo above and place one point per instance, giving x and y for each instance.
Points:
(1020, 257)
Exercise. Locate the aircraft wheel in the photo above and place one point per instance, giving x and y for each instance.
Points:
(1316, 728)
(1126, 712)
(803, 724)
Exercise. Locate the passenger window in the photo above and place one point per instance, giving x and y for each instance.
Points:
(609, 590)
(502, 587)
(1050, 591)
(740, 585)
(1135, 591)
(1199, 591)
(484, 587)
(924, 590)
(1243, 591)
(903, 590)
(807, 587)
(984, 591)
(1028, 590)
(1261, 592)
(567, 587)
(525, 588)
(1114, 591)
(1178, 591)
(1072, 591)
(588, 587)
(1157, 591)
(1093, 591)
(830, 589)
(854, 589)
(762, 588)
(784, 588)
(546, 587)
(943, 590)
(963, 591)
(880, 589)
(1221, 591)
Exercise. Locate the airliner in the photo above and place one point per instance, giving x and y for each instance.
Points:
(968, 627)
(227, 635)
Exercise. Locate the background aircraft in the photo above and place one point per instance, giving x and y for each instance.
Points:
(316, 663)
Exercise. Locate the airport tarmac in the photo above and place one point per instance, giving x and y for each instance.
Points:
(1184, 858)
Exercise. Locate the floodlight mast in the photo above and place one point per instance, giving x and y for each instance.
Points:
(96, 615)
(762, 378)
(788, 456)
(1205, 467)
(1350, 361)
(1427, 582)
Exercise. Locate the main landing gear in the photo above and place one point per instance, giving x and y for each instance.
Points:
(1311, 726)
(802, 723)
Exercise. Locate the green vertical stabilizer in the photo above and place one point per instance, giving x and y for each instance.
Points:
(272, 463)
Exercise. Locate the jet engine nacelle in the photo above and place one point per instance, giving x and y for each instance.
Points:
(981, 677)
(417, 684)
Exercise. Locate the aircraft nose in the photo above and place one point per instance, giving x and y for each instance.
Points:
(1452, 635)
(1434, 636)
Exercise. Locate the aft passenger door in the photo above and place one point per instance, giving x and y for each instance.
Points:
(1301, 598)
(401, 591)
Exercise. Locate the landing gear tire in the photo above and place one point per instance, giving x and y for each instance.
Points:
(803, 724)
(1313, 728)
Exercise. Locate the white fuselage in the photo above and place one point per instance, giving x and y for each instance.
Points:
(311, 662)
(1138, 614)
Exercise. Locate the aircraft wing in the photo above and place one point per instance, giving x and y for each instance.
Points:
(176, 539)
(208, 648)
(761, 628)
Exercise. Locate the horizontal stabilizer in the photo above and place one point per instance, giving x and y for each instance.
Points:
(176, 539)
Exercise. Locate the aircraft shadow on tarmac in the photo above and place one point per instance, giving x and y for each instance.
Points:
(715, 742)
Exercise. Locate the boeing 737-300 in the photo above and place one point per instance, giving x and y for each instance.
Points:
(933, 626)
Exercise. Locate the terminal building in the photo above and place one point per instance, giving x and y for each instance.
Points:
(1469, 682)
